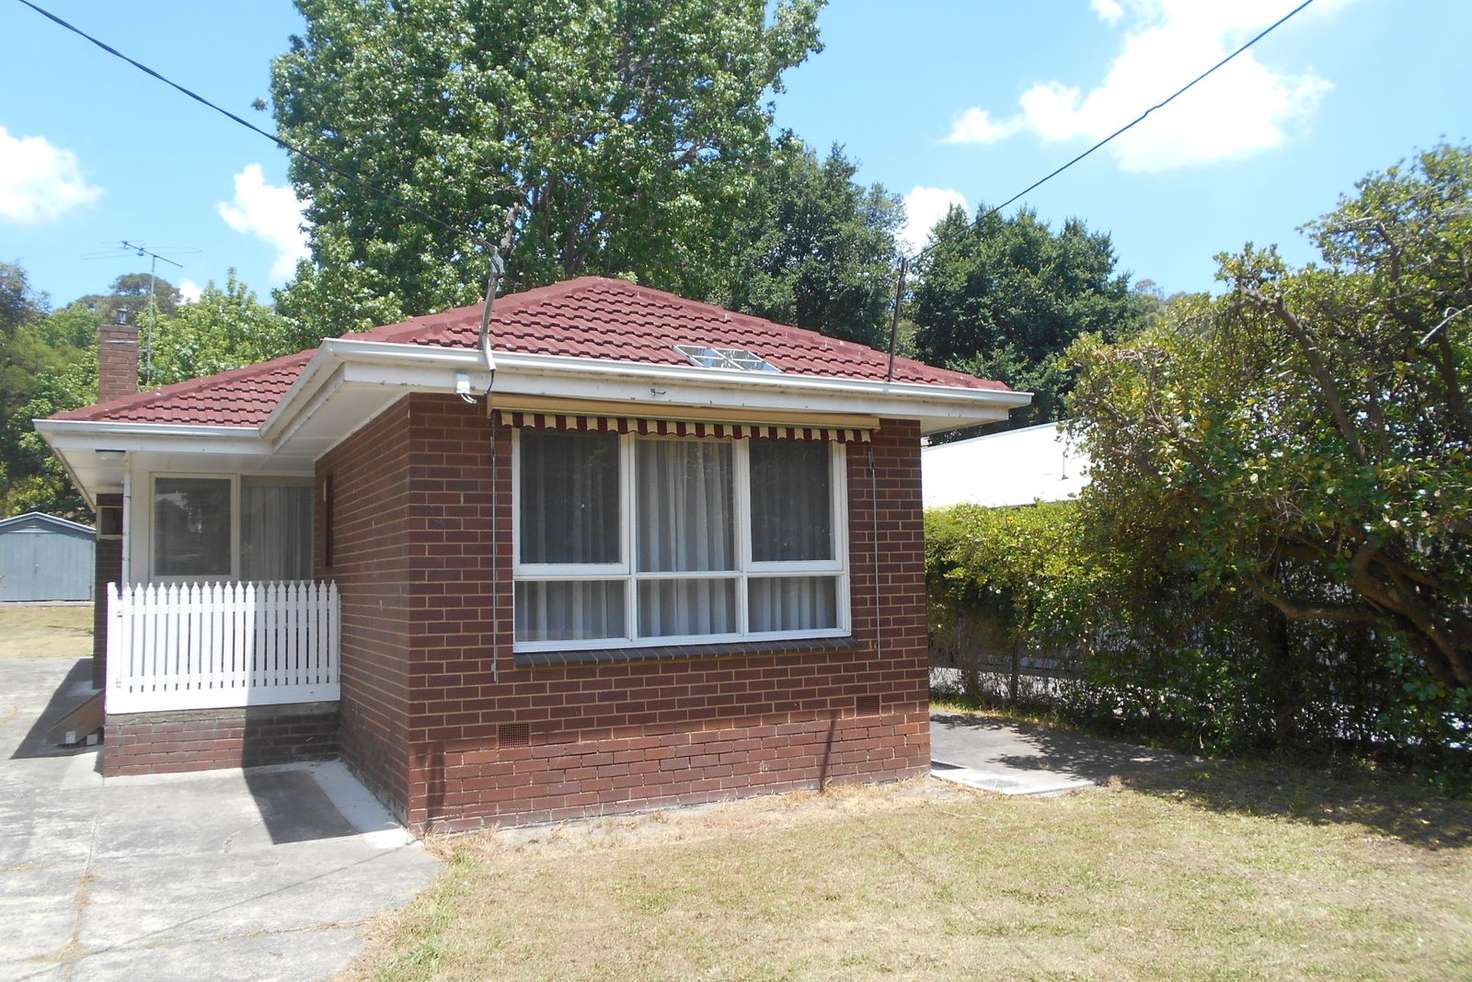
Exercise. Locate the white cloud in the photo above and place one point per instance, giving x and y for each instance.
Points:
(1243, 109)
(39, 182)
(271, 212)
(923, 208)
(189, 291)
(1109, 11)
(977, 126)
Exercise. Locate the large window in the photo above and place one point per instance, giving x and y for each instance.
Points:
(643, 540)
(224, 528)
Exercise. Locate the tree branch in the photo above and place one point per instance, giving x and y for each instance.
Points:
(1317, 367)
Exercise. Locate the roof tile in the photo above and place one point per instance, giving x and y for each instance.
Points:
(589, 317)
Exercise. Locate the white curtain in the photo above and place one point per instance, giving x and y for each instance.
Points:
(791, 501)
(551, 610)
(569, 497)
(275, 530)
(685, 494)
(680, 608)
(792, 603)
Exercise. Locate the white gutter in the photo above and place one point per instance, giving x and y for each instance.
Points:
(89, 434)
(674, 383)
(417, 367)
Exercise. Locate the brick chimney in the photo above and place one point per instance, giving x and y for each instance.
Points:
(117, 359)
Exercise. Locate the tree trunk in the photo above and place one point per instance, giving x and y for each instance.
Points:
(1282, 678)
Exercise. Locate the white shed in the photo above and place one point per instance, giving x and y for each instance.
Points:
(1015, 467)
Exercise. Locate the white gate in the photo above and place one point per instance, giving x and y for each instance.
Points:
(214, 645)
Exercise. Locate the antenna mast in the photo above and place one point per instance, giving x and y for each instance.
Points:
(153, 259)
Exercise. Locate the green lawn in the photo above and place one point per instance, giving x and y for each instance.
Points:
(1213, 870)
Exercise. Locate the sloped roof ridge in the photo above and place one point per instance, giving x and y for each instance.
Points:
(150, 396)
(526, 299)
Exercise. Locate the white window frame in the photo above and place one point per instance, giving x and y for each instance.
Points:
(626, 569)
(293, 480)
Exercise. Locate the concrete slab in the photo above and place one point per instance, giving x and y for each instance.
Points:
(266, 873)
(1021, 758)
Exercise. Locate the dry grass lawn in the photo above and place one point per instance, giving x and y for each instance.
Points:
(42, 631)
(1216, 870)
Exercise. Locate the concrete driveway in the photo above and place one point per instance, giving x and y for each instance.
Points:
(269, 873)
(1023, 758)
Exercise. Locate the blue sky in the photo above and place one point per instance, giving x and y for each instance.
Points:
(939, 101)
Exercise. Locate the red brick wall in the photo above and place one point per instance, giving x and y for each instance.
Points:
(371, 564)
(117, 361)
(199, 740)
(547, 743)
(107, 567)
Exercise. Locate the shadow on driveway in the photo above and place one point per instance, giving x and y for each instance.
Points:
(74, 689)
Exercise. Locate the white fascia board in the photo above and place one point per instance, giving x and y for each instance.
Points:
(434, 368)
(409, 366)
(415, 367)
(317, 368)
(85, 434)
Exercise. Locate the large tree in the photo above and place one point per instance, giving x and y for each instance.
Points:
(815, 248)
(227, 327)
(47, 363)
(1307, 436)
(617, 137)
(1003, 297)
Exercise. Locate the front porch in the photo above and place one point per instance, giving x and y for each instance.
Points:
(186, 646)
(201, 676)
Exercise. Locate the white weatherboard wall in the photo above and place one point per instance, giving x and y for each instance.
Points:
(217, 645)
(1017, 467)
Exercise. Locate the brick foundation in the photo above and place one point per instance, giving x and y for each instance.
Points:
(206, 739)
(450, 740)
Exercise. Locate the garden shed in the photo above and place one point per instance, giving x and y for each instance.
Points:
(43, 557)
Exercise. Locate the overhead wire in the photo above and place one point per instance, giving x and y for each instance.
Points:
(290, 147)
(1132, 123)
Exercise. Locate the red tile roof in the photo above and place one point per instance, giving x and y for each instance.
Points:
(589, 317)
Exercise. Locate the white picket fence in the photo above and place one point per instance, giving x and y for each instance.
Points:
(213, 645)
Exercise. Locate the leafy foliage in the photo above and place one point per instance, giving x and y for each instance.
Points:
(45, 366)
(225, 328)
(618, 138)
(1216, 671)
(1003, 298)
(815, 249)
(1306, 436)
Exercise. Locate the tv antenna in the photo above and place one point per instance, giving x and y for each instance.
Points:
(153, 261)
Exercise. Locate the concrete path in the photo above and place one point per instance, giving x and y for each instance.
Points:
(268, 873)
(1020, 758)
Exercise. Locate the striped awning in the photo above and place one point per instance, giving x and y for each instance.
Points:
(678, 427)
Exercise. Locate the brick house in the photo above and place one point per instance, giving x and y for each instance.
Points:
(674, 555)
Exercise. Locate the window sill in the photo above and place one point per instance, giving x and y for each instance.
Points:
(679, 652)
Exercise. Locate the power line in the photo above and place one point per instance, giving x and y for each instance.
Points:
(290, 148)
(1134, 122)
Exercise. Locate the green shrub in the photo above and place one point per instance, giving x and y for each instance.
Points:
(1152, 655)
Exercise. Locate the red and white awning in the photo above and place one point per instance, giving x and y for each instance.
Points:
(677, 427)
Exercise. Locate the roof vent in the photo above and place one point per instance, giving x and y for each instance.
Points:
(736, 359)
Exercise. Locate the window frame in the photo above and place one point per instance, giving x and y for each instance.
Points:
(626, 570)
(235, 480)
(153, 550)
